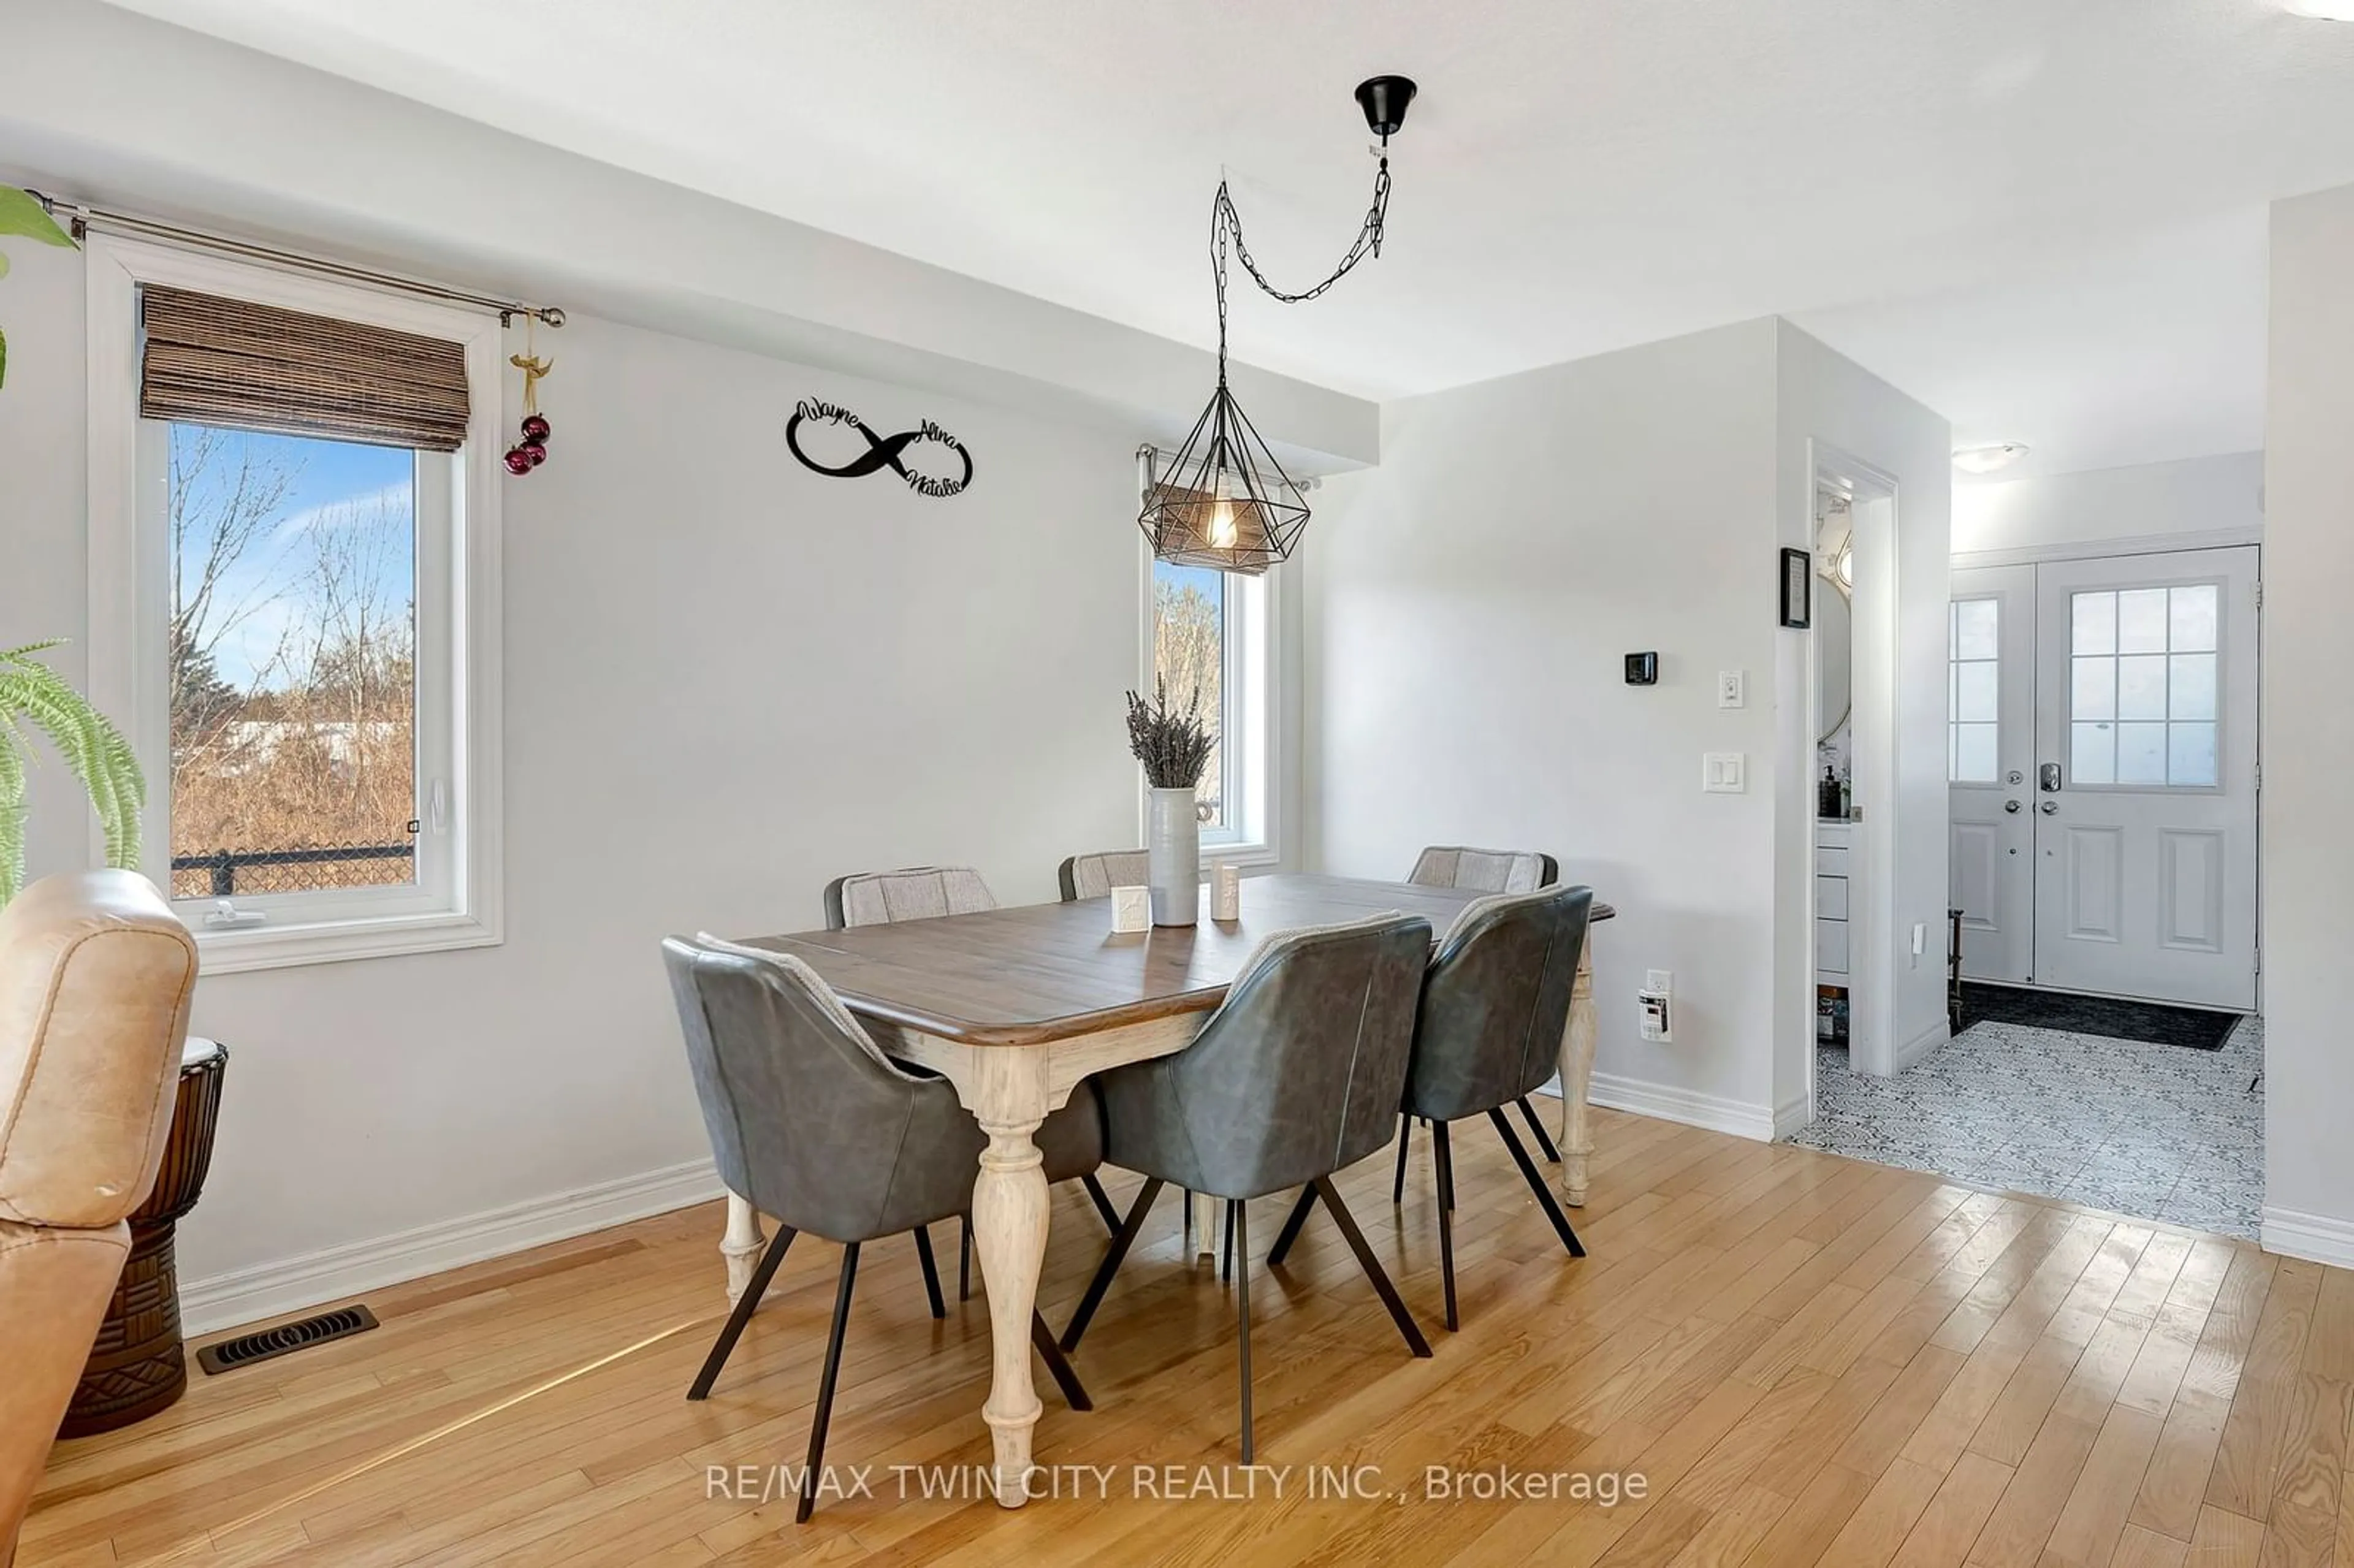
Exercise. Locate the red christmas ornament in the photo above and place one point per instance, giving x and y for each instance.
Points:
(534, 453)
(535, 427)
(519, 461)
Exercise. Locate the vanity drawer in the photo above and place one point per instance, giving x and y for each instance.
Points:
(1830, 860)
(1831, 947)
(1830, 897)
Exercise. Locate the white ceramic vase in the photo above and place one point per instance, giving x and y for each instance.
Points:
(1172, 842)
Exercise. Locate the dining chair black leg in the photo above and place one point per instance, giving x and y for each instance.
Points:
(1397, 1183)
(1536, 1182)
(931, 1271)
(1291, 1226)
(1371, 1265)
(1103, 1201)
(1446, 1160)
(745, 1305)
(1536, 1126)
(1239, 1220)
(825, 1384)
(1058, 1366)
(1122, 1239)
(1443, 1176)
(964, 1258)
(1226, 1261)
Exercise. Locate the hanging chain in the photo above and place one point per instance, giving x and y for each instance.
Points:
(1227, 226)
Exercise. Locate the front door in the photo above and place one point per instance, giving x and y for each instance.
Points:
(2146, 776)
(1989, 760)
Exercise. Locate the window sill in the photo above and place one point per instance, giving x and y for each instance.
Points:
(335, 942)
(1249, 857)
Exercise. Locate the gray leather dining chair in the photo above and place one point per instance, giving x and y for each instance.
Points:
(811, 1123)
(1480, 871)
(1295, 1076)
(1095, 876)
(1494, 1002)
(928, 892)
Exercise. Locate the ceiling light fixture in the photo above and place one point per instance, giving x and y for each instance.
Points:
(2324, 10)
(1224, 502)
(1985, 460)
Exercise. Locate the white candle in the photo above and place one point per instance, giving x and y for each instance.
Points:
(1225, 891)
(1131, 909)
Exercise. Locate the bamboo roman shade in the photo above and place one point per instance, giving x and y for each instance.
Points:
(229, 362)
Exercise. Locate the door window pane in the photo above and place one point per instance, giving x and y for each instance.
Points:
(2094, 683)
(2141, 621)
(2192, 619)
(2190, 694)
(1973, 687)
(2191, 756)
(292, 677)
(2141, 687)
(2141, 754)
(2145, 658)
(2092, 753)
(1974, 692)
(2096, 623)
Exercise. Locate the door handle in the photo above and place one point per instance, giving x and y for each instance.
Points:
(2011, 806)
(2048, 808)
(2048, 777)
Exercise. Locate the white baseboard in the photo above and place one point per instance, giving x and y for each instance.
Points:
(2318, 1238)
(1789, 1117)
(291, 1285)
(1923, 1043)
(1687, 1105)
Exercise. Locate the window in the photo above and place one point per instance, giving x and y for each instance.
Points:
(1973, 677)
(1210, 635)
(293, 586)
(2141, 686)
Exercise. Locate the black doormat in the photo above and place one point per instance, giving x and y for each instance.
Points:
(2155, 1022)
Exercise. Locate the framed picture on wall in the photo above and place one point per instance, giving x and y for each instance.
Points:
(1797, 588)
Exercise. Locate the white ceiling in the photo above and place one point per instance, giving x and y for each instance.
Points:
(2043, 217)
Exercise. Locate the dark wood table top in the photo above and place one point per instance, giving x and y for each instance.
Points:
(1045, 973)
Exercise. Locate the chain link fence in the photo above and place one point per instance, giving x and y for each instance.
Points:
(309, 868)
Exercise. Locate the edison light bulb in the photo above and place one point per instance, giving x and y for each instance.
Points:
(1222, 515)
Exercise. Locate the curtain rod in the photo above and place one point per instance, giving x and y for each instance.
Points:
(81, 219)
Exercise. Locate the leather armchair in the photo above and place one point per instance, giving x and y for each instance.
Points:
(95, 978)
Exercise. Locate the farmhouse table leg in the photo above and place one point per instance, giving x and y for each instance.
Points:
(1576, 1074)
(1206, 1213)
(741, 1244)
(1007, 1091)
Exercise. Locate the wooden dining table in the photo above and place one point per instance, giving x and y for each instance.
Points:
(1015, 1006)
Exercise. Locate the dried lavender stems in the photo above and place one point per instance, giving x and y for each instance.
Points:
(1173, 747)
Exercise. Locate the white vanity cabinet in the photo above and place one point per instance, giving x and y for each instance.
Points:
(1834, 847)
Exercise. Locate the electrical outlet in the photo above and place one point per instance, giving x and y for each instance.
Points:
(1659, 979)
(1659, 986)
(1732, 689)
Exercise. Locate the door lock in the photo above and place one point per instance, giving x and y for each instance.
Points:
(2016, 777)
(2048, 777)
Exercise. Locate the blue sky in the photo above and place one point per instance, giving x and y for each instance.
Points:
(324, 477)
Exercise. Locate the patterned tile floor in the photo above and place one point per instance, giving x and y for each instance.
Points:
(2158, 1132)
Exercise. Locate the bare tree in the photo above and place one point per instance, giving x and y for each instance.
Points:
(1189, 654)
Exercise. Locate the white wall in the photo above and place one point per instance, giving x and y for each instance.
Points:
(1826, 402)
(727, 679)
(2307, 847)
(1470, 601)
(2207, 500)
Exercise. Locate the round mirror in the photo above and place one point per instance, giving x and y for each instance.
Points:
(1834, 646)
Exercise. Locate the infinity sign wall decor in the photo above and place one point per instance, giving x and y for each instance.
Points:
(882, 451)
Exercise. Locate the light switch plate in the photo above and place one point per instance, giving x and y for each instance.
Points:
(1731, 688)
(1724, 772)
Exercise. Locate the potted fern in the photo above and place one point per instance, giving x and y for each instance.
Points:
(36, 697)
(1174, 747)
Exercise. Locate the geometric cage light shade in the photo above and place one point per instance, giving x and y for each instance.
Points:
(1223, 502)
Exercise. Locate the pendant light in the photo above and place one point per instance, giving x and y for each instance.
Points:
(1224, 501)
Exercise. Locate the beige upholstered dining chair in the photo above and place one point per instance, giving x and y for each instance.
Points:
(95, 977)
(1095, 876)
(1484, 871)
(918, 892)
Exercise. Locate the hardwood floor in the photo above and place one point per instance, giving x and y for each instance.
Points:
(1805, 1359)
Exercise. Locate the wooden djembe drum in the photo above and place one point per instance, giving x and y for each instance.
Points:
(138, 1366)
